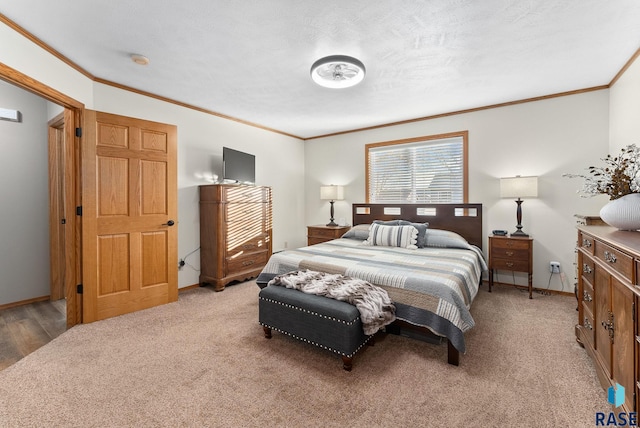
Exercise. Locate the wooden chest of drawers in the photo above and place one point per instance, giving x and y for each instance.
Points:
(514, 254)
(235, 232)
(608, 327)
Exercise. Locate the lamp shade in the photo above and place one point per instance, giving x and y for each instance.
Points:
(332, 193)
(519, 187)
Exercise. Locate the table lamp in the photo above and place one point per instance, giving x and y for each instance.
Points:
(332, 193)
(519, 187)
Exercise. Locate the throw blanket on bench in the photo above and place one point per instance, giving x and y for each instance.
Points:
(375, 307)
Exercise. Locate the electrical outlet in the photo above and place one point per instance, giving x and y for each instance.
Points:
(554, 267)
(181, 264)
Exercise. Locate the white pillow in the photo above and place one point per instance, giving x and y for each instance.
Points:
(393, 236)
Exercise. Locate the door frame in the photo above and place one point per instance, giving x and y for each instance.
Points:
(72, 120)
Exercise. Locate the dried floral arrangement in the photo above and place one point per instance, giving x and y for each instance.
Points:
(619, 176)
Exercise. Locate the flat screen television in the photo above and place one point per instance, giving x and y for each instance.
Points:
(238, 167)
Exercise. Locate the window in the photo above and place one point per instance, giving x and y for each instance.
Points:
(430, 169)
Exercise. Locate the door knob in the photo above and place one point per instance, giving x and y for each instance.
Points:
(169, 223)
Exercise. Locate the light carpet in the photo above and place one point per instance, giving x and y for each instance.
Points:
(204, 362)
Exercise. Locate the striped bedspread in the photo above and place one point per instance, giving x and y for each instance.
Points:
(431, 287)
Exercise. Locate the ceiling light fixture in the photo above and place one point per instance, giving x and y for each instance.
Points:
(337, 71)
(140, 59)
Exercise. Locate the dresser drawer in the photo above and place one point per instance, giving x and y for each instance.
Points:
(247, 261)
(245, 212)
(616, 260)
(587, 295)
(245, 194)
(587, 322)
(236, 247)
(587, 269)
(515, 265)
(586, 242)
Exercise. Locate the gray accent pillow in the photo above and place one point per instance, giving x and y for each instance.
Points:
(359, 232)
(388, 222)
(422, 230)
(445, 239)
(404, 236)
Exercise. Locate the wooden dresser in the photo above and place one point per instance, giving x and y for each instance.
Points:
(609, 266)
(235, 232)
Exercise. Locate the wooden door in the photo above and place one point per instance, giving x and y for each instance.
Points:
(57, 215)
(129, 210)
(602, 290)
(622, 301)
(64, 240)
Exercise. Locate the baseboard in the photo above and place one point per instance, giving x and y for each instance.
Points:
(23, 302)
(188, 287)
(535, 289)
(45, 298)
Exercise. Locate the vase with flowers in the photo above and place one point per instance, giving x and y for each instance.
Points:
(619, 179)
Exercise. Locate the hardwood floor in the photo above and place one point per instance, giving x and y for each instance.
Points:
(24, 329)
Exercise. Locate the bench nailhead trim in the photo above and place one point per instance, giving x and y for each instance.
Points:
(348, 323)
(311, 312)
(318, 344)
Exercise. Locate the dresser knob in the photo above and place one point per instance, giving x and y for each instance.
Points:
(610, 257)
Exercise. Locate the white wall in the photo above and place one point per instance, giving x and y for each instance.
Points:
(279, 159)
(279, 164)
(625, 109)
(545, 138)
(24, 198)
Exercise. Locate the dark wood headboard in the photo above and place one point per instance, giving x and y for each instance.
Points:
(464, 219)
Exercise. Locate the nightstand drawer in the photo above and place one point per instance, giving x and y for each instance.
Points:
(323, 233)
(509, 244)
(511, 254)
(313, 241)
(515, 265)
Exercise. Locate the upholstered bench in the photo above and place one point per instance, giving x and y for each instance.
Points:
(327, 323)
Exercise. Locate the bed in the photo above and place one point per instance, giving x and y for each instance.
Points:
(432, 287)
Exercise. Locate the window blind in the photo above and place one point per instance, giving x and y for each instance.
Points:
(430, 171)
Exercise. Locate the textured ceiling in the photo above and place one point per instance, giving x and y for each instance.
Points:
(250, 60)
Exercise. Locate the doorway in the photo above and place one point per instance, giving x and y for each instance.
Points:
(62, 175)
(67, 268)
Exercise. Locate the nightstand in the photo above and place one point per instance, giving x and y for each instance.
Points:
(510, 253)
(321, 233)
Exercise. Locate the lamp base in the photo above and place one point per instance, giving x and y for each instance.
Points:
(519, 233)
(332, 223)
